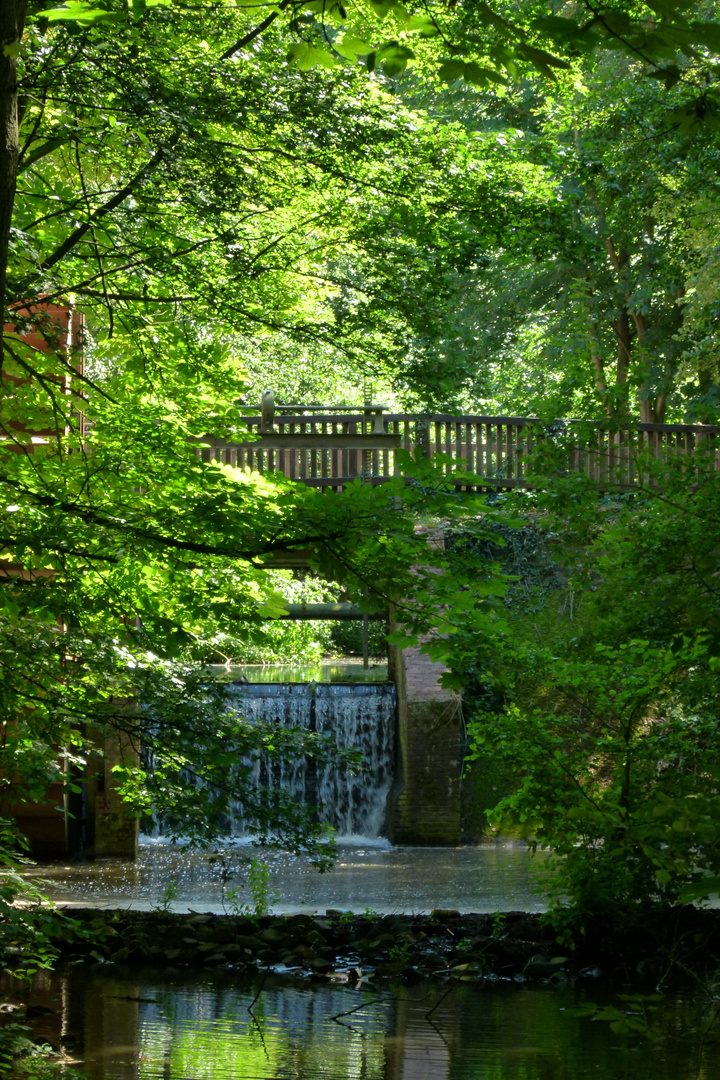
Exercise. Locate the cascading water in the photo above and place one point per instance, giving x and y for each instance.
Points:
(362, 717)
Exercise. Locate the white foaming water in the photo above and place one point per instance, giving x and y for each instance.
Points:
(361, 716)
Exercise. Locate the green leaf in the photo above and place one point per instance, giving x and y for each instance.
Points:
(706, 886)
(708, 34)
(351, 47)
(82, 12)
(452, 70)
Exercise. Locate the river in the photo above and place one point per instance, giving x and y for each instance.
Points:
(197, 1025)
(374, 875)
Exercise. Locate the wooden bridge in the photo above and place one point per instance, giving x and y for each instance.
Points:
(330, 447)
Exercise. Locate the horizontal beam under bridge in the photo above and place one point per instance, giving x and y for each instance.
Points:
(329, 611)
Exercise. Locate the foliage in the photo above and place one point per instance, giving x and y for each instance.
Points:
(238, 192)
(497, 39)
(619, 778)
(169, 893)
(605, 711)
(30, 929)
(283, 641)
(633, 1015)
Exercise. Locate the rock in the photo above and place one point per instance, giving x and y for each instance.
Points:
(320, 965)
(504, 954)
(445, 914)
(558, 978)
(540, 967)
(651, 966)
(271, 936)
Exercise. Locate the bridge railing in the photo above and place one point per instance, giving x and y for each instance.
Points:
(331, 449)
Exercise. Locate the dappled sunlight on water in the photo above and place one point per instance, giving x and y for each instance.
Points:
(368, 875)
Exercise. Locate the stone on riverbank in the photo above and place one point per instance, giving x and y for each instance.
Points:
(446, 944)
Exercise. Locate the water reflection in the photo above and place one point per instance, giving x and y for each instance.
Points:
(344, 670)
(197, 1026)
(384, 879)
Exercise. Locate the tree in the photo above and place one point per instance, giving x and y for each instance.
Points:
(600, 697)
(180, 235)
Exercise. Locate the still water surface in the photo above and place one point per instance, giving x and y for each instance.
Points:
(384, 879)
(202, 1025)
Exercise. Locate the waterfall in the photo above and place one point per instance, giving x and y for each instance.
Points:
(362, 717)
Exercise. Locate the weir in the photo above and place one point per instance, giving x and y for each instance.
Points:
(361, 716)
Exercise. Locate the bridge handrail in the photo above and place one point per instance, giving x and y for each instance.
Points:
(331, 449)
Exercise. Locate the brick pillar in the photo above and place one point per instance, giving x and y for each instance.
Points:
(424, 804)
(114, 830)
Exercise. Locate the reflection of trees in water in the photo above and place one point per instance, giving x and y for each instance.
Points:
(196, 1026)
(207, 1032)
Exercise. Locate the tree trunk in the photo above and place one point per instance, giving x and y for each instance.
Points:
(624, 344)
(12, 22)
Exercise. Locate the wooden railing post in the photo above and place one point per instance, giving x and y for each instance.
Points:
(422, 435)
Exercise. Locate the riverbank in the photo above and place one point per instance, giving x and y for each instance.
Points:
(354, 948)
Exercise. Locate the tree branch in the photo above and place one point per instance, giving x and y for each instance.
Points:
(74, 238)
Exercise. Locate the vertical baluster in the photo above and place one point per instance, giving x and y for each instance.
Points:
(383, 469)
(531, 450)
(404, 429)
(323, 456)
(335, 457)
(354, 456)
(628, 445)
(458, 460)
(293, 454)
(313, 455)
(621, 463)
(612, 457)
(592, 456)
(518, 436)
(302, 456)
(689, 448)
(344, 457)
